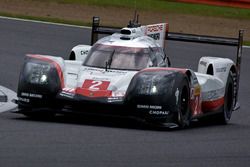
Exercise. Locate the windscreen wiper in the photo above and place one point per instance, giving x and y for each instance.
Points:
(109, 62)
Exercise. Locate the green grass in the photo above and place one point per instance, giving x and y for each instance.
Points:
(165, 6)
(47, 19)
(246, 43)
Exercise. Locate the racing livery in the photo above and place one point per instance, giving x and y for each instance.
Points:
(128, 74)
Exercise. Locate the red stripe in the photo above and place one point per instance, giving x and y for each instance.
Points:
(212, 105)
(57, 66)
(182, 70)
(228, 3)
(90, 93)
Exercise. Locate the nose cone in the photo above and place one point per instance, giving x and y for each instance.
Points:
(99, 82)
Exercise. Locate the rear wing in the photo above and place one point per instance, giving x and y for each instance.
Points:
(236, 42)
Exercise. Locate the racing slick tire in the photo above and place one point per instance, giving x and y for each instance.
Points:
(183, 116)
(225, 116)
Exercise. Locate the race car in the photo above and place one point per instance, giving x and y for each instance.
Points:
(128, 74)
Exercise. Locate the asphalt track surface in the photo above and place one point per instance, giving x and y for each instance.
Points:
(70, 141)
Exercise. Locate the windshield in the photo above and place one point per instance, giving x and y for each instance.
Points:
(117, 57)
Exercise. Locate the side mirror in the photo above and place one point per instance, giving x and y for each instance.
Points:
(166, 58)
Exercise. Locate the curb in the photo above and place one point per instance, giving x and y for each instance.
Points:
(3, 97)
(6, 99)
(244, 4)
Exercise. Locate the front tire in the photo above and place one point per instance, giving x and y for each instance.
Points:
(183, 107)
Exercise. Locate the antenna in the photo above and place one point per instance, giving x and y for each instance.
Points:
(135, 22)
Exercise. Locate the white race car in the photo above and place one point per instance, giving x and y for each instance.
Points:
(128, 74)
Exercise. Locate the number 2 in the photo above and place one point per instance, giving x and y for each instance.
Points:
(95, 85)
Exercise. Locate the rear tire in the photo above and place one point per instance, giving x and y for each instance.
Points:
(225, 116)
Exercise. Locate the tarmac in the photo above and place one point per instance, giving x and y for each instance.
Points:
(7, 98)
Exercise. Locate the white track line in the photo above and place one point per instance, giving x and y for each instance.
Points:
(247, 47)
(43, 22)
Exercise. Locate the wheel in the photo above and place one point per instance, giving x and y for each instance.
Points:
(72, 56)
(183, 107)
(225, 116)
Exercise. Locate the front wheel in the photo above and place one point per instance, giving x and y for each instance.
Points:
(183, 107)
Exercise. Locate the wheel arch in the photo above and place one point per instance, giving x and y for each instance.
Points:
(72, 55)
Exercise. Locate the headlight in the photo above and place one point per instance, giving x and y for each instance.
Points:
(149, 85)
(38, 73)
(155, 84)
(154, 90)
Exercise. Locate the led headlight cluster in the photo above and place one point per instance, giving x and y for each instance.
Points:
(149, 85)
(38, 73)
(155, 85)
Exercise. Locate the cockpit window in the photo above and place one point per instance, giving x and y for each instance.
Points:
(117, 57)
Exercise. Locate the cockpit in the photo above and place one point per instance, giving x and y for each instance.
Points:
(124, 58)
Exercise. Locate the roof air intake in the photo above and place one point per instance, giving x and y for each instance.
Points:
(125, 32)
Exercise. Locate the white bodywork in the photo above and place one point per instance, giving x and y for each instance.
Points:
(213, 86)
(221, 66)
(155, 31)
(116, 82)
(81, 52)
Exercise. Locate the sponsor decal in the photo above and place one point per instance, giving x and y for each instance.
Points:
(100, 79)
(203, 63)
(195, 101)
(153, 109)
(24, 99)
(114, 99)
(66, 94)
(222, 69)
(214, 94)
(33, 95)
(156, 112)
(155, 28)
(103, 70)
(157, 32)
(141, 106)
(177, 92)
(197, 90)
(84, 52)
(155, 36)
